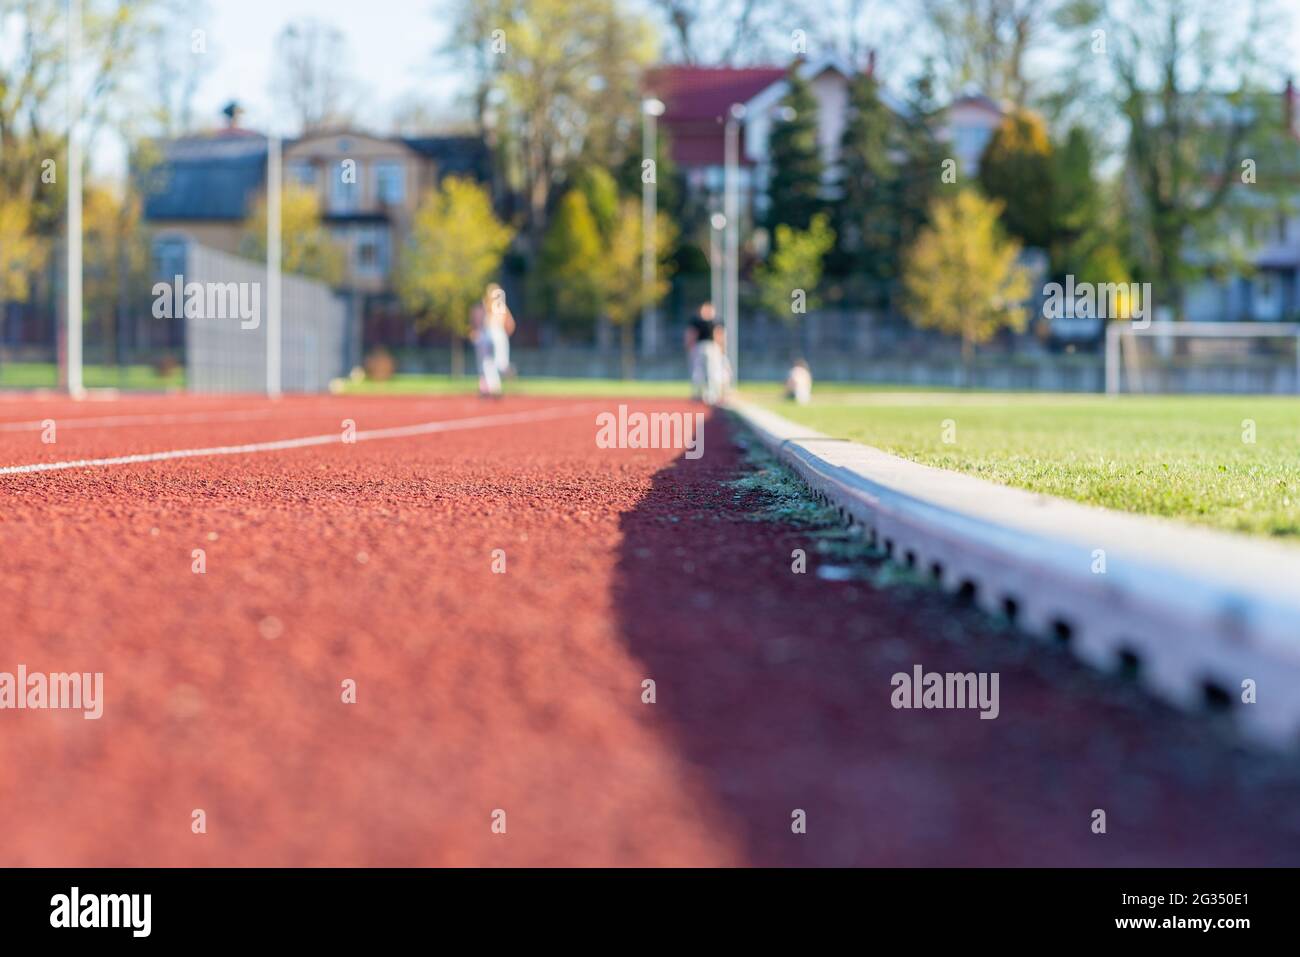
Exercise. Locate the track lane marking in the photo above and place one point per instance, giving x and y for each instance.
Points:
(394, 432)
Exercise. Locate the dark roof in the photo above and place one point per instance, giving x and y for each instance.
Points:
(454, 155)
(206, 177)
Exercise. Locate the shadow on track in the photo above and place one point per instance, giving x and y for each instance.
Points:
(775, 689)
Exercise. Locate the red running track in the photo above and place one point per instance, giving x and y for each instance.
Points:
(523, 691)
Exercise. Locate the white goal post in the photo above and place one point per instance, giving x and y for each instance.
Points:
(1125, 359)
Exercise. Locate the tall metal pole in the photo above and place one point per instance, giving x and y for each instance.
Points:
(273, 161)
(650, 110)
(731, 199)
(717, 223)
(72, 350)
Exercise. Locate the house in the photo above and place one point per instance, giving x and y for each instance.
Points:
(205, 186)
(697, 101)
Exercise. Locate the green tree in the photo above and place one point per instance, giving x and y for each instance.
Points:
(795, 188)
(453, 252)
(961, 275)
(1188, 133)
(21, 254)
(866, 216)
(558, 83)
(570, 263)
(624, 292)
(306, 246)
(1017, 169)
(600, 190)
(920, 173)
(788, 281)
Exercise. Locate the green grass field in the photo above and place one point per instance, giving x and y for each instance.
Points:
(1182, 457)
(45, 375)
(405, 384)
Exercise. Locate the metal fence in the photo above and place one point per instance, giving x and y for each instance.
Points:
(225, 347)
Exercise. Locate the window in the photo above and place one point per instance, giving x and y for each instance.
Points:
(345, 193)
(302, 172)
(371, 251)
(390, 182)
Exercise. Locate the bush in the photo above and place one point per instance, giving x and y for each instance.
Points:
(380, 365)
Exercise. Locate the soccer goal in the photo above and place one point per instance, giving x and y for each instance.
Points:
(1170, 357)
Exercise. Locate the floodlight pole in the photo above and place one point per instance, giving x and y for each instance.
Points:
(273, 163)
(717, 223)
(731, 205)
(650, 110)
(73, 304)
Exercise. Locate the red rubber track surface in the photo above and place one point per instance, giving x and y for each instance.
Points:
(479, 691)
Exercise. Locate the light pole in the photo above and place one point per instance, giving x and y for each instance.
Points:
(273, 239)
(72, 345)
(717, 223)
(651, 109)
(731, 207)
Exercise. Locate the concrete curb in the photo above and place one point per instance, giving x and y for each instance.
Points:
(1198, 612)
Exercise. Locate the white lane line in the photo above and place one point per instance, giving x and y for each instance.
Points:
(395, 432)
(162, 418)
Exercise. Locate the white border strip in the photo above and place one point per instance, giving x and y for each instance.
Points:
(396, 432)
(1193, 606)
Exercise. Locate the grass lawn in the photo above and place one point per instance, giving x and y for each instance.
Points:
(1181, 457)
(37, 375)
(526, 385)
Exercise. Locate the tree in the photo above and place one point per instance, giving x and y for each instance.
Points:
(306, 246)
(1086, 238)
(1186, 136)
(788, 281)
(600, 191)
(987, 43)
(570, 262)
(453, 252)
(558, 82)
(961, 275)
(623, 290)
(1017, 169)
(920, 174)
(312, 75)
(21, 254)
(866, 216)
(795, 188)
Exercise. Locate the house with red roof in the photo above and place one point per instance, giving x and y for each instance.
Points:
(698, 100)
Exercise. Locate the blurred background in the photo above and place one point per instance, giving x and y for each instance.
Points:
(906, 179)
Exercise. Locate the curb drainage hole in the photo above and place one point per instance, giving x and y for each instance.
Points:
(1010, 608)
(966, 592)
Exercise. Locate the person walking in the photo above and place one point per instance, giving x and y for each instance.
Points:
(492, 324)
(706, 355)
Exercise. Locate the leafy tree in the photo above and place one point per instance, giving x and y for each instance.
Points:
(961, 275)
(570, 263)
(788, 281)
(453, 252)
(795, 187)
(921, 169)
(306, 246)
(1187, 133)
(21, 254)
(866, 216)
(1017, 169)
(624, 293)
(558, 82)
(600, 190)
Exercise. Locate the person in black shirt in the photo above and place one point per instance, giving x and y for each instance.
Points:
(706, 355)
